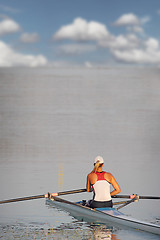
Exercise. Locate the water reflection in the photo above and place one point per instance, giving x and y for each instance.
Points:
(65, 231)
(82, 232)
(102, 232)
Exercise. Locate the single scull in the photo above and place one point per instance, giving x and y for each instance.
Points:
(110, 216)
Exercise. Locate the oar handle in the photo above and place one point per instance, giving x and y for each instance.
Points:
(140, 197)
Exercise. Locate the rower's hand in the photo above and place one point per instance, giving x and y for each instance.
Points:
(51, 194)
(133, 196)
(54, 194)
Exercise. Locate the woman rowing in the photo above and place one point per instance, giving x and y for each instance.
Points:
(99, 182)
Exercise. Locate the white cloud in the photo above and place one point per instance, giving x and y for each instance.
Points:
(152, 44)
(121, 42)
(29, 37)
(8, 26)
(81, 30)
(11, 58)
(137, 56)
(158, 11)
(76, 49)
(135, 29)
(132, 22)
(148, 54)
(133, 47)
(127, 20)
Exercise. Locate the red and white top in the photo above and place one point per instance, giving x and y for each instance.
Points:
(101, 188)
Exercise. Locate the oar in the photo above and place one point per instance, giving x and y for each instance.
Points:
(121, 202)
(135, 199)
(140, 197)
(42, 196)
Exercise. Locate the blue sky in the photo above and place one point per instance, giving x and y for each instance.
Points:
(87, 32)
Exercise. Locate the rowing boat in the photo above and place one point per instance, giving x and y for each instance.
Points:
(110, 216)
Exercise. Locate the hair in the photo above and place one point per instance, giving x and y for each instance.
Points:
(96, 166)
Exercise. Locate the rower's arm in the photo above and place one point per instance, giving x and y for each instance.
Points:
(88, 186)
(116, 186)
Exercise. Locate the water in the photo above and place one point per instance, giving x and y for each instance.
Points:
(54, 122)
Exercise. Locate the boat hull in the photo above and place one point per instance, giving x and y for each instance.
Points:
(109, 216)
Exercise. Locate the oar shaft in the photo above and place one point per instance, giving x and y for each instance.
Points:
(148, 197)
(72, 191)
(136, 198)
(121, 202)
(22, 199)
(140, 197)
(42, 196)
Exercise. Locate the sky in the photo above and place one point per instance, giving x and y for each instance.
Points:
(89, 33)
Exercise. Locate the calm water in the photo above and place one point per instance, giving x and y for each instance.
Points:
(54, 122)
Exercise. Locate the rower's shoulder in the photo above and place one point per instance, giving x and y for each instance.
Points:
(91, 174)
(108, 176)
(108, 173)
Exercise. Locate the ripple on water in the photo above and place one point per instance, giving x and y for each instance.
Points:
(74, 230)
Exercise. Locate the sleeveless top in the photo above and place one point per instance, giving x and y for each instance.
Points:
(101, 188)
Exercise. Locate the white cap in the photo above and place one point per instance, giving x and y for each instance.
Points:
(99, 158)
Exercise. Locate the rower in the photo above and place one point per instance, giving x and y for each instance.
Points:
(99, 182)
